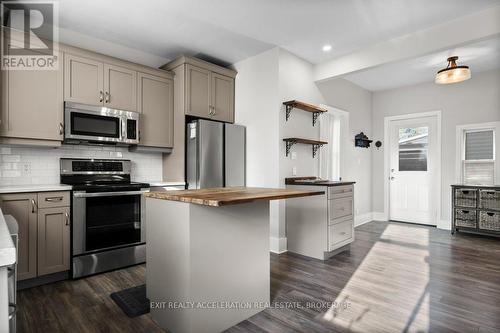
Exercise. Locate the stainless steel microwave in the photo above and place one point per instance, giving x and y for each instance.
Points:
(98, 124)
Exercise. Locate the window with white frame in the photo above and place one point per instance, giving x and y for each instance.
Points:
(478, 156)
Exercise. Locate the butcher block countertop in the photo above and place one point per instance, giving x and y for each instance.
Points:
(224, 196)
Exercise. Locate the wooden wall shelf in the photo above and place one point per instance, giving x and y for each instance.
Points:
(315, 110)
(289, 142)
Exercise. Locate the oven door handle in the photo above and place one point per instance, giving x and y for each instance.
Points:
(106, 194)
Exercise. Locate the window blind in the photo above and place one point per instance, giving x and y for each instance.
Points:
(479, 145)
(479, 173)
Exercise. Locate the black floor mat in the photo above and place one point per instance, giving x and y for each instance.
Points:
(132, 301)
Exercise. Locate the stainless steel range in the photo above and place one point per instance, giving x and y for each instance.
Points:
(108, 230)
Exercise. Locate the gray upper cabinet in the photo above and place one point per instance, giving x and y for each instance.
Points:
(32, 105)
(156, 105)
(83, 80)
(207, 89)
(197, 91)
(120, 87)
(222, 97)
(90, 81)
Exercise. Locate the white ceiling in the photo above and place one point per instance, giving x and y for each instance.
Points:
(480, 57)
(232, 30)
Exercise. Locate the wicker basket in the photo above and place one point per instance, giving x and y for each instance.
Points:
(489, 199)
(465, 218)
(465, 197)
(489, 221)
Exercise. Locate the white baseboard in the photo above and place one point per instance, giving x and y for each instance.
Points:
(363, 218)
(277, 245)
(444, 224)
(379, 216)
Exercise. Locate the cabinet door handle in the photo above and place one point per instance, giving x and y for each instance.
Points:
(101, 96)
(33, 206)
(61, 129)
(54, 199)
(107, 97)
(209, 110)
(67, 218)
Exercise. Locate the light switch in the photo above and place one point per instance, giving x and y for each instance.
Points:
(294, 155)
(294, 171)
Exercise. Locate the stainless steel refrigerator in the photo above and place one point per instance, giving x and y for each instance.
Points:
(215, 154)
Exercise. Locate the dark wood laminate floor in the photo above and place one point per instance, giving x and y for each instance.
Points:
(396, 278)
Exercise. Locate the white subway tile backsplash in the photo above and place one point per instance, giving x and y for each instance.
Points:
(26, 165)
(11, 158)
(11, 173)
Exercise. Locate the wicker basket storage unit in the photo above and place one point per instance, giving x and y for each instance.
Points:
(465, 218)
(489, 199)
(465, 197)
(489, 220)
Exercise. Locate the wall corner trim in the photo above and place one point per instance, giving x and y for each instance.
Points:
(444, 224)
(278, 245)
(361, 219)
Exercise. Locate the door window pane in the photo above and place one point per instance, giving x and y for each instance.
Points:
(413, 145)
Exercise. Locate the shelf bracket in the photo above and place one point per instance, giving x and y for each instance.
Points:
(289, 145)
(315, 117)
(288, 111)
(315, 149)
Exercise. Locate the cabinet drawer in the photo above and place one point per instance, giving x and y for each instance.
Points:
(53, 199)
(340, 208)
(335, 192)
(338, 233)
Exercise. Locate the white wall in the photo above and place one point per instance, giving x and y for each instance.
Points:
(257, 107)
(357, 163)
(474, 101)
(296, 82)
(36, 165)
(263, 83)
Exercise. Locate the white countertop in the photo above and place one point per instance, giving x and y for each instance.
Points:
(162, 184)
(34, 188)
(7, 247)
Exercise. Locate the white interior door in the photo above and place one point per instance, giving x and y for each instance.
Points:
(413, 148)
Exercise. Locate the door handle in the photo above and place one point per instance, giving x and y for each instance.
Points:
(392, 178)
(107, 97)
(61, 129)
(54, 199)
(101, 96)
(33, 206)
(67, 218)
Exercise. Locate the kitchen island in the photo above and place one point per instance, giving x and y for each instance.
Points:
(207, 254)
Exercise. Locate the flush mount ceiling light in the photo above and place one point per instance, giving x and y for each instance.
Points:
(327, 48)
(452, 73)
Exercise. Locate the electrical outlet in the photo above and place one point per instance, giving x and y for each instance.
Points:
(294, 171)
(294, 155)
(26, 168)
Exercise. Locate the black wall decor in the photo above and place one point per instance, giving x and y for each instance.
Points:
(361, 140)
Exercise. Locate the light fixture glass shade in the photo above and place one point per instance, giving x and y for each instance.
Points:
(453, 73)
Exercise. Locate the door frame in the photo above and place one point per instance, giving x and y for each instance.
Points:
(438, 180)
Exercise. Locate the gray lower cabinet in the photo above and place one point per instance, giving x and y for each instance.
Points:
(320, 225)
(53, 240)
(44, 231)
(22, 207)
